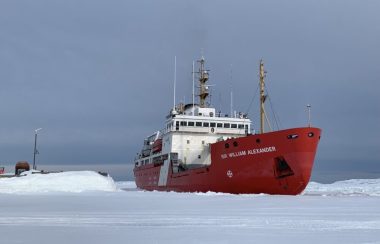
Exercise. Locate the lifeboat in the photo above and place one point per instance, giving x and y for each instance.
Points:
(157, 146)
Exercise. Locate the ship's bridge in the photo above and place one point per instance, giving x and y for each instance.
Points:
(194, 119)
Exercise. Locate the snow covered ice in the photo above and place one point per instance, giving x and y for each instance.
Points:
(88, 209)
(354, 187)
(74, 181)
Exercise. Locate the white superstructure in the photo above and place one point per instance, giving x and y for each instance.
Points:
(190, 129)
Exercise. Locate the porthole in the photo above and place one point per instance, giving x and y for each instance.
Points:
(311, 134)
(226, 145)
(235, 144)
(258, 140)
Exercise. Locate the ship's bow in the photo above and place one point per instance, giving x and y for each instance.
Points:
(278, 162)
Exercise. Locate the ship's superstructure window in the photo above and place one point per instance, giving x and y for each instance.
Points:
(188, 141)
(226, 125)
(183, 123)
(206, 124)
(234, 126)
(177, 125)
(199, 124)
(219, 125)
(212, 124)
(190, 123)
(240, 126)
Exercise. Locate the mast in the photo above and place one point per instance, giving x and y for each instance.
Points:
(309, 114)
(203, 88)
(262, 96)
(193, 89)
(175, 80)
(231, 96)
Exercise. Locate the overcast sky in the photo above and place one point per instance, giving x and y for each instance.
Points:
(97, 76)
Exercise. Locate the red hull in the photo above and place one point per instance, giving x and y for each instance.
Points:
(274, 163)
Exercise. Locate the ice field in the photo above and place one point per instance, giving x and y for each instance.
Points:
(85, 207)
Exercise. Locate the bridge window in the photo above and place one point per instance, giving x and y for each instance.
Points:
(226, 125)
(240, 126)
(190, 123)
(234, 126)
(212, 124)
(199, 124)
(219, 125)
(183, 123)
(206, 124)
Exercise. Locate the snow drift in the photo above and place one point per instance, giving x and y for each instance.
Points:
(71, 181)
